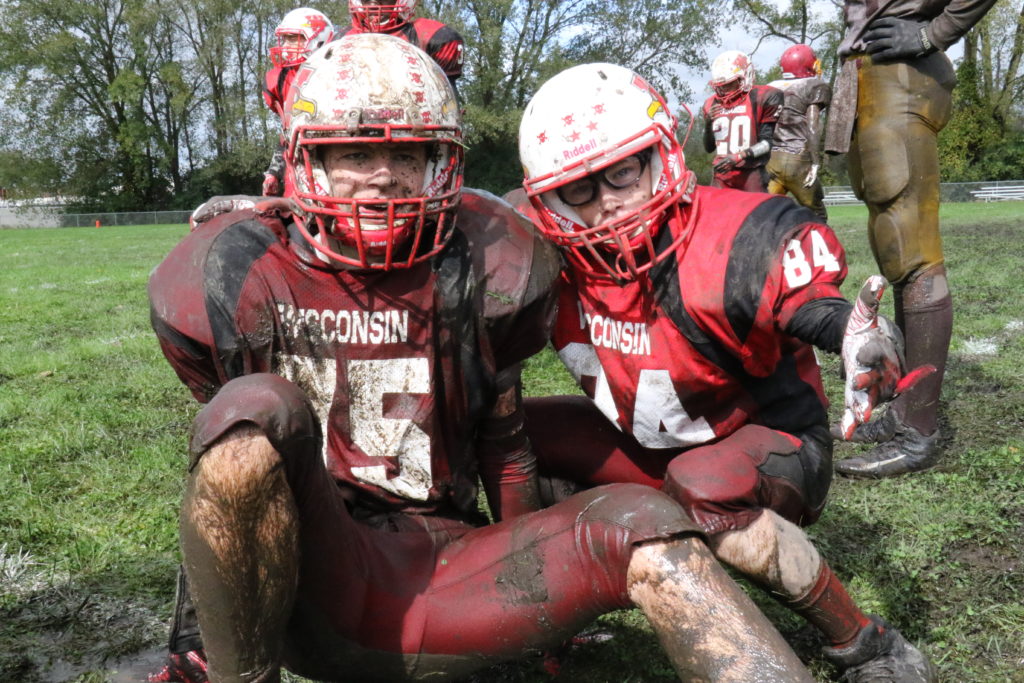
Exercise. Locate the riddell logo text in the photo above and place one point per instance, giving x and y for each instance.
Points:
(579, 149)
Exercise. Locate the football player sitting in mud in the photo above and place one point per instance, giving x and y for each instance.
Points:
(689, 317)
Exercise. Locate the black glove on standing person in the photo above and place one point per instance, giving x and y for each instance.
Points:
(890, 38)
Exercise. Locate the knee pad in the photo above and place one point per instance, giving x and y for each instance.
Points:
(278, 407)
(644, 512)
(884, 168)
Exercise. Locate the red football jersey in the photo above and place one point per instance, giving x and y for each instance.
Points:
(276, 82)
(742, 124)
(399, 365)
(437, 39)
(695, 348)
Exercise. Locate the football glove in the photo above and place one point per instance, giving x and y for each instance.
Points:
(271, 185)
(729, 162)
(716, 109)
(890, 38)
(872, 355)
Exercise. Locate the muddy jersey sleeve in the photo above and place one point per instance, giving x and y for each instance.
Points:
(709, 126)
(820, 94)
(518, 270)
(956, 20)
(811, 268)
(194, 294)
(769, 106)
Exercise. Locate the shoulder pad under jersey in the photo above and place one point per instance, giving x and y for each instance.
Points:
(513, 261)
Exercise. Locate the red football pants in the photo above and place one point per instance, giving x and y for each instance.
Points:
(722, 485)
(427, 594)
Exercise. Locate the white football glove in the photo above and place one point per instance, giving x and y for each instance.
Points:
(873, 358)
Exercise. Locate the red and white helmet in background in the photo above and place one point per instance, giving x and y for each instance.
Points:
(732, 74)
(312, 26)
(583, 120)
(799, 61)
(373, 88)
(376, 16)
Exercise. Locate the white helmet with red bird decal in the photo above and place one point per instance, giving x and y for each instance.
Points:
(732, 74)
(302, 31)
(374, 89)
(588, 118)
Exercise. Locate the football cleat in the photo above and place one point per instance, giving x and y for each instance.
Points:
(880, 654)
(189, 667)
(902, 449)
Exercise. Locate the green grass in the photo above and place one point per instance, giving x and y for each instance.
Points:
(93, 427)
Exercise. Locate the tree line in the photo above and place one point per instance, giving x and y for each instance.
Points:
(155, 104)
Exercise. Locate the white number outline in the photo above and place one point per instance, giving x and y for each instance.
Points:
(373, 433)
(657, 404)
(795, 267)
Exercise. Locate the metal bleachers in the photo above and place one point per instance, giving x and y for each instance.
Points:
(998, 193)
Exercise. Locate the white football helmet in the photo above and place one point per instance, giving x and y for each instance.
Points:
(373, 88)
(314, 30)
(368, 15)
(732, 74)
(583, 120)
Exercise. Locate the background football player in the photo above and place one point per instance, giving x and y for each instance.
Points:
(893, 96)
(689, 316)
(739, 121)
(358, 350)
(796, 143)
(394, 17)
(300, 32)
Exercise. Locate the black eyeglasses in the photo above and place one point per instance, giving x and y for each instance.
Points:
(619, 175)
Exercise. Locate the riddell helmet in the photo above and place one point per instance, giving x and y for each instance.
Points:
(581, 121)
(370, 16)
(799, 61)
(732, 74)
(374, 89)
(314, 28)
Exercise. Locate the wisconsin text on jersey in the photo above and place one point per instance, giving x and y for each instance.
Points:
(345, 327)
(618, 335)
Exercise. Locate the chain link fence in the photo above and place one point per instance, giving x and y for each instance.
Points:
(53, 217)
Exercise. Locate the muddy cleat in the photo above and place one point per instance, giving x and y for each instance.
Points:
(880, 654)
(907, 450)
(189, 667)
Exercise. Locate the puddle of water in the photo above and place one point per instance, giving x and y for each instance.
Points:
(133, 668)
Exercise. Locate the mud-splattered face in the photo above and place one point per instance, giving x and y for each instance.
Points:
(371, 171)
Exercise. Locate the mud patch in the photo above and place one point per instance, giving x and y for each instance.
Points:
(521, 580)
(54, 627)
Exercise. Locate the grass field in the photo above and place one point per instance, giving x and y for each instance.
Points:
(93, 426)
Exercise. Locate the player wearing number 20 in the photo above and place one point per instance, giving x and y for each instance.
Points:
(739, 122)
